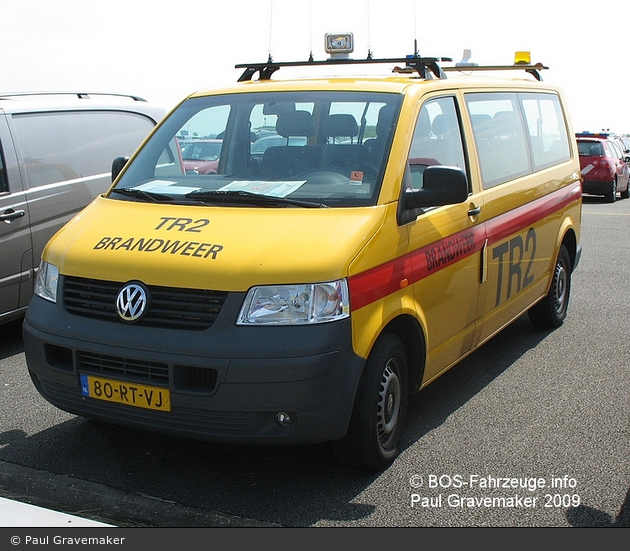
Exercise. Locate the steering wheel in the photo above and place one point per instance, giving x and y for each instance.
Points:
(319, 177)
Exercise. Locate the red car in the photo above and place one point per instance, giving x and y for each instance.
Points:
(201, 156)
(605, 167)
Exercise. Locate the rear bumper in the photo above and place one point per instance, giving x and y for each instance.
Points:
(596, 187)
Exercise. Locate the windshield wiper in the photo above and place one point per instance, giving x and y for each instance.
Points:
(148, 196)
(240, 196)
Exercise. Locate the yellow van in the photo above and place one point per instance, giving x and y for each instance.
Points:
(383, 228)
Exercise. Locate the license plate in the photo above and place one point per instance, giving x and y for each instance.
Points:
(122, 392)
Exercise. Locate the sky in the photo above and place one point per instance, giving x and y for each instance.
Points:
(163, 51)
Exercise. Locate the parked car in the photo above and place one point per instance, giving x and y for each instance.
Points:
(56, 152)
(625, 142)
(605, 168)
(201, 156)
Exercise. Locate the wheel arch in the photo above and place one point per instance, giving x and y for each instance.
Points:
(407, 328)
(569, 240)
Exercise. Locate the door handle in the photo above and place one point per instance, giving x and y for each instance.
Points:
(11, 215)
(474, 211)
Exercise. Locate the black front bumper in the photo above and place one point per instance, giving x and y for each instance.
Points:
(226, 384)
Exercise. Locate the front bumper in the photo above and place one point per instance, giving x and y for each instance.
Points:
(226, 384)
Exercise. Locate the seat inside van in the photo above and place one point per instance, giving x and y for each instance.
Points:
(284, 161)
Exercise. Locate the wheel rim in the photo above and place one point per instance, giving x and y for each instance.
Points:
(560, 292)
(389, 398)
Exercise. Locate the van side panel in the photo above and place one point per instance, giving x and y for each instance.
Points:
(16, 268)
(445, 251)
(523, 244)
(527, 168)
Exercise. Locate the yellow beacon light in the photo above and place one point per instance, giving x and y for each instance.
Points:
(522, 58)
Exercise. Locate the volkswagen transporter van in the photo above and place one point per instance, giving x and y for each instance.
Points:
(55, 157)
(300, 295)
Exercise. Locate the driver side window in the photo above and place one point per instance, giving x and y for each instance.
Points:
(437, 139)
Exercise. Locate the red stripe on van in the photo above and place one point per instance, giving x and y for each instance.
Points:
(390, 277)
(381, 281)
(507, 224)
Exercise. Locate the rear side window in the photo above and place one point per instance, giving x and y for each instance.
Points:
(614, 150)
(546, 129)
(517, 134)
(61, 146)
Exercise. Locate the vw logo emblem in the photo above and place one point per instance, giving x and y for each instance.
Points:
(131, 302)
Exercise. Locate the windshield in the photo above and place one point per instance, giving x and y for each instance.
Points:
(299, 149)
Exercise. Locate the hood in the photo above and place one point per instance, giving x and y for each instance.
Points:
(220, 248)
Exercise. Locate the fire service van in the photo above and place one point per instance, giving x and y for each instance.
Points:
(357, 237)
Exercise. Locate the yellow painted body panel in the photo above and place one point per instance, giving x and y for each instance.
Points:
(227, 249)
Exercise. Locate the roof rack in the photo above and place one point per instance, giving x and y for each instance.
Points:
(531, 69)
(80, 95)
(424, 66)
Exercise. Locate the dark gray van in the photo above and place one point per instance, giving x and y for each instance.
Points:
(56, 153)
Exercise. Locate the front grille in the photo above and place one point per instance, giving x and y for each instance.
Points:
(171, 307)
(141, 371)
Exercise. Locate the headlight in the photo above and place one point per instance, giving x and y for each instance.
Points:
(46, 282)
(296, 304)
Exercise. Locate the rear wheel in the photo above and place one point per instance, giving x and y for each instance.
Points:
(626, 193)
(373, 439)
(612, 192)
(551, 311)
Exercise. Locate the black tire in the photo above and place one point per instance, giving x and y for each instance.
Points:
(373, 438)
(625, 194)
(611, 196)
(551, 311)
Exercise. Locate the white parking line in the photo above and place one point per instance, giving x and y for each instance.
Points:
(17, 514)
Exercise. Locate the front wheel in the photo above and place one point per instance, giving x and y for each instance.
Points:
(551, 311)
(373, 439)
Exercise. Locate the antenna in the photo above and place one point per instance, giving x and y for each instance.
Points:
(369, 35)
(310, 29)
(270, 27)
(415, 30)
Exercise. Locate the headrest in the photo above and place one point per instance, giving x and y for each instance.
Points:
(296, 123)
(479, 118)
(385, 120)
(341, 124)
(440, 125)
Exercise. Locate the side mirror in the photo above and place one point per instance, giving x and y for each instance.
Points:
(117, 165)
(441, 185)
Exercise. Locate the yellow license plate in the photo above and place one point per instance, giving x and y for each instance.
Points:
(122, 392)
